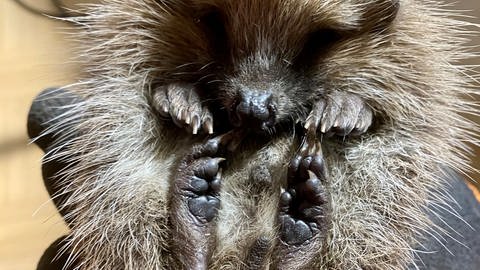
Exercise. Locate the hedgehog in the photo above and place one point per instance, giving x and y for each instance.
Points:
(274, 134)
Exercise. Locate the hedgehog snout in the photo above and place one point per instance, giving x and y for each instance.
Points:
(254, 109)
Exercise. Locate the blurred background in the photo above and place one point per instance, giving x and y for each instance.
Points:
(35, 54)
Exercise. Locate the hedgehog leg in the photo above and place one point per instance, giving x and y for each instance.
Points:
(303, 211)
(195, 202)
(340, 114)
(182, 103)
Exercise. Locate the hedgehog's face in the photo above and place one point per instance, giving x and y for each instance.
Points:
(272, 59)
(273, 56)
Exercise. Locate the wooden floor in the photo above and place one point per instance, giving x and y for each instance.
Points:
(33, 53)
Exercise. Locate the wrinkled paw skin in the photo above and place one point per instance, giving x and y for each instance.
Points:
(340, 114)
(194, 203)
(303, 211)
(302, 205)
(201, 188)
(181, 102)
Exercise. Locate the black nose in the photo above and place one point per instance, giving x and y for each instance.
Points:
(255, 109)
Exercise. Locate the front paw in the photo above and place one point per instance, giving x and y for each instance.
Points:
(340, 114)
(182, 103)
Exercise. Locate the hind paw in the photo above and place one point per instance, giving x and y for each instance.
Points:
(201, 188)
(198, 179)
(303, 212)
(182, 103)
(340, 114)
(195, 201)
(303, 206)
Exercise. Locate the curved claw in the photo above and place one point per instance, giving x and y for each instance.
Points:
(303, 210)
(182, 103)
(214, 145)
(340, 114)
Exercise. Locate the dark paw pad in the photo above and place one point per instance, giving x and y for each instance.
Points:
(195, 201)
(303, 205)
(201, 187)
(205, 207)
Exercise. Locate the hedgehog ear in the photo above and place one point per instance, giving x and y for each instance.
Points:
(380, 14)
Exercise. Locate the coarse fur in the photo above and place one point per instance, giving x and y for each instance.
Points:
(382, 184)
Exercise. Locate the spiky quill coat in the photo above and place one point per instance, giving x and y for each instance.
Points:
(382, 184)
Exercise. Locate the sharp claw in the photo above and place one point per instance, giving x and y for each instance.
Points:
(226, 141)
(311, 128)
(307, 124)
(179, 115)
(215, 143)
(336, 123)
(210, 128)
(208, 125)
(220, 172)
(218, 161)
(164, 109)
(195, 124)
(323, 128)
(207, 120)
(311, 122)
(359, 124)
